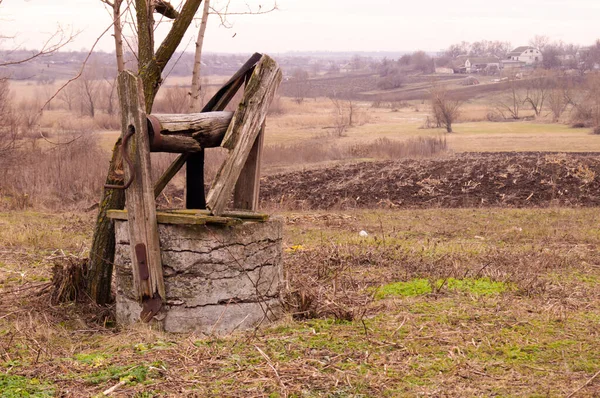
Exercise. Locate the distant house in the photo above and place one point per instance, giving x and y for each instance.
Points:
(474, 64)
(468, 64)
(527, 54)
(444, 71)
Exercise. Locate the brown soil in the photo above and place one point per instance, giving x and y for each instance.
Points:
(462, 180)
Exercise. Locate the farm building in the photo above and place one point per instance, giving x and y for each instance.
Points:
(444, 71)
(526, 54)
(469, 64)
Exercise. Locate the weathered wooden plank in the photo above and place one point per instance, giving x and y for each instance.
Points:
(180, 218)
(243, 130)
(177, 144)
(217, 103)
(247, 188)
(196, 198)
(140, 203)
(243, 215)
(190, 132)
(200, 124)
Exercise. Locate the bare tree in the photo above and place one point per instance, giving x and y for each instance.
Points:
(558, 100)
(299, 85)
(195, 90)
(88, 88)
(510, 103)
(343, 113)
(536, 92)
(115, 6)
(68, 96)
(109, 93)
(174, 100)
(446, 109)
(539, 42)
(9, 124)
(222, 13)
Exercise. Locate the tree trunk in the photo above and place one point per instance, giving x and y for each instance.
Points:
(118, 35)
(195, 90)
(150, 68)
(102, 253)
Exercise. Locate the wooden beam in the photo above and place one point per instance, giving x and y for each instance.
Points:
(140, 203)
(168, 175)
(243, 131)
(247, 188)
(241, 214)
(180, 218)
(189, 132)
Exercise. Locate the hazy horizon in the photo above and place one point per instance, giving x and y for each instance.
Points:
(318, 26)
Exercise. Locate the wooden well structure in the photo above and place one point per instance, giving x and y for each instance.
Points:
(202, 268)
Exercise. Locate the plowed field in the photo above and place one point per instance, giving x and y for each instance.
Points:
(463, 180)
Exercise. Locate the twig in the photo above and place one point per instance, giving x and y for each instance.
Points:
(587, 383)
(270, 363)
(113, 388)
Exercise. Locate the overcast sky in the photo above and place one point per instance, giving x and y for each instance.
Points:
(331, 25)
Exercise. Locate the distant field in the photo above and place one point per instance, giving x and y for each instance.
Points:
(313, 119)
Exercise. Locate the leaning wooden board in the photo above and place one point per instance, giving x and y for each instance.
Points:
(242, 134)
(139, 199)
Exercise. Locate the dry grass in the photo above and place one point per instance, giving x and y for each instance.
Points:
(318, 151)
(537, 335)
(55, 176)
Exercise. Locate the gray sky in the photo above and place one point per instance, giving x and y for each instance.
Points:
(332, 25)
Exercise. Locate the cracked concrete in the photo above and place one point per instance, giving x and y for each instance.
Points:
(217, 279)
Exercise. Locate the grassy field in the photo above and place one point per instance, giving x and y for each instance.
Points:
(313, 118)
(434, 302)
(438, 302)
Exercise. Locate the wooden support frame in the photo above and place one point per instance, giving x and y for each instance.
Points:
(243, 132)
(217, 103)
(247, 188)
(140, 201)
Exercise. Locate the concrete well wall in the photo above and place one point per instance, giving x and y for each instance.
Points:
(217, 279)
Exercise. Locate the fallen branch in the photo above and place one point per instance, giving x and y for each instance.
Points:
(587, 383)
(270, 363)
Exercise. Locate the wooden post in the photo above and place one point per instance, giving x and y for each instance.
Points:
(247, 188)
(195, 197)
(243, 131)
(140, 202)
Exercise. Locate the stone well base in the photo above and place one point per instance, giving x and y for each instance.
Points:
(217, 279)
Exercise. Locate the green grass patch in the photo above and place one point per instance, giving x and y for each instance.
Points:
(18, 386)
(419, 287)
(132, 374)
(416, 287)
(95, 359)
(481, 286)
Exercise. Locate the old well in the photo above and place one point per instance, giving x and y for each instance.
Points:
(221, 274)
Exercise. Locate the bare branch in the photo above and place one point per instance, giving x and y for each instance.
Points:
(83, 65)
(180, 26)
(224, 12)
(165, 8)
(54, 43)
